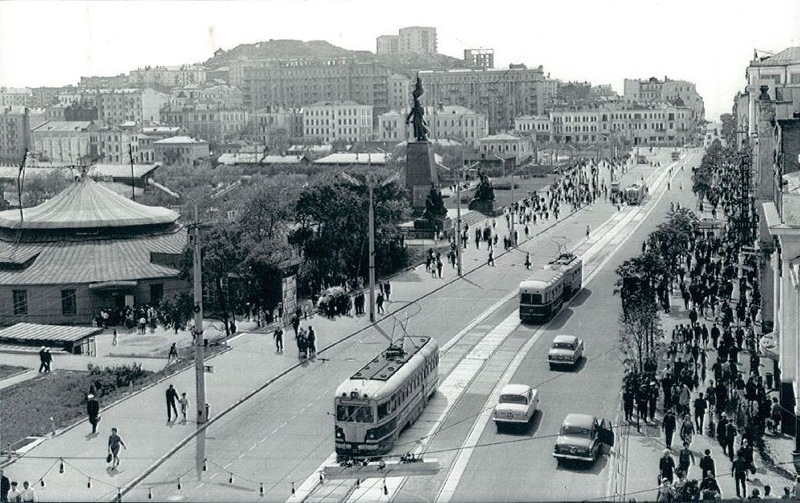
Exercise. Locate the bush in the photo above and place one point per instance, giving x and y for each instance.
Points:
(105, 380)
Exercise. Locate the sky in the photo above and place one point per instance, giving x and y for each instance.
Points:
(708, 42)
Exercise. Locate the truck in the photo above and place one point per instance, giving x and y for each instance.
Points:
(634, 194)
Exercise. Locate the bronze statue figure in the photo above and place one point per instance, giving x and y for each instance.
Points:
(485, 190)
(434, 205)
(416, 113)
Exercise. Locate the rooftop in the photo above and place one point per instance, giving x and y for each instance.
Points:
(63, 126)
(258, 158)
(500, 137)
(353, 158)
(178, 140)
(788, 56)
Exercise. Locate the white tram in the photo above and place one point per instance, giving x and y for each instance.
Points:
(542, 295)
(386, 395)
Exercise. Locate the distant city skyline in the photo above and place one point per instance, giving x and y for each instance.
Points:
(604, 41)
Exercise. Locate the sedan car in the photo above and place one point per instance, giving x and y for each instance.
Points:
(581, 437)
(565, 350)
(517, 405)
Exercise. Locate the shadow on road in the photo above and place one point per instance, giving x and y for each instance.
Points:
(582, 297)
(523, 430)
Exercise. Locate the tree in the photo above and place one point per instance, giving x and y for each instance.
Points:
(175, 311)
(672, 238)
(40, 188)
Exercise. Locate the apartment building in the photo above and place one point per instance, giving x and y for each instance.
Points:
(479, 58)
(267, 120)
(141, 106)
(180, 151)
(448, 122)
(331, 121)
(168, 76)
(676, 92)
(15, 128)
(411, 39)
(501, 94)
(539, 128)
(206, 122)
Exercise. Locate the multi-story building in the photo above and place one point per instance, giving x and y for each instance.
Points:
(80, 111)
(501, 94)
(207, 122)
(300, 83)
(66, 142)
(632, 124)
(781, 74)
(448, 122)
(43, 97)
(15, 128)
(388, 44)
(506, 146)
(399, 92)
(15, 97)
(675, 92)
(180, 151)
(479, 58)
(137, 105)
(56, 112)
(412, 39)
(116, 82)
(117, 145)
(168, 76)
(222, 95)
(341, 120)
(417, 40)
(266, 121)
(539, 128)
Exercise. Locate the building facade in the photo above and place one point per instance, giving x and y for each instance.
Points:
(449, 122)
(388, 44)
(66, 142)
(180, 151)
(781, 74)
(479, 58)
(168, 76)
(207, 122)
(539, 128)
(506, 146)
(501, 94)
(417, 40)
(297, 84)
(332, 121)
(264, 122)
(16, 124)
(140, 106)
(676, 92)
(399, 92)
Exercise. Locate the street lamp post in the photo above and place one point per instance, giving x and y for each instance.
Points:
(371, 184)
(199, 343)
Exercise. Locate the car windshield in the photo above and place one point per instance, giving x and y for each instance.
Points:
(562, 345)
(575, 431)
(518, 399)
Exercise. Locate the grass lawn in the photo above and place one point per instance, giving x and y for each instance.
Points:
(61, 395)
(10, 370)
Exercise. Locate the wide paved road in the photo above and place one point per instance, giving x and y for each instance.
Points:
(284, 433)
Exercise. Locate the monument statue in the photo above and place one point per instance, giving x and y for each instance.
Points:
(416, 113)
(434, 205)
(484, 191)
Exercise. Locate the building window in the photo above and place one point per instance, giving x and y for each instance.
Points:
(69, 306)
(794, 78)
(20, 302)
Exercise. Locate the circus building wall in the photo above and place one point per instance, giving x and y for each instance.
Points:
(84, 250)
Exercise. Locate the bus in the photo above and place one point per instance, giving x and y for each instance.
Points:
(543, 294)
(386, 395)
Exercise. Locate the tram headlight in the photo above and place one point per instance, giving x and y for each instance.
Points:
(339, 433)
(371, 435)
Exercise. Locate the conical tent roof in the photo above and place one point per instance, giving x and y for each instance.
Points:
(86, 205)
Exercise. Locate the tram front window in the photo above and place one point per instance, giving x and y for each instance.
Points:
(354, 413)
(531, 298)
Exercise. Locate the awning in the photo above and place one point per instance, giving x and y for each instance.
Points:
(105, 285)
(33, 332)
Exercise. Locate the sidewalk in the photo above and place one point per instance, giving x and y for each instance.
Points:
(251, 365)
(639, 451)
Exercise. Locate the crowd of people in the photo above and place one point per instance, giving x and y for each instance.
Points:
(711, 369)
(138, 317)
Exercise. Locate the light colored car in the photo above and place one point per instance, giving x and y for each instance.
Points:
(565, 350)
(582, 437)
(517, 405)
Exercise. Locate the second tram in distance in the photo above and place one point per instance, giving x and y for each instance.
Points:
(542, 295)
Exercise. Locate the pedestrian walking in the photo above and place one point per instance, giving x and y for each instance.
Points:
(173, 353)
(700, 406)
(666, 467)
(707, 464)
(311, 341)
(114, 443)
(93, 411)
(685, 459)
(491, 258)
(668, 424)
(172, 397)
(730, 438)
(587, 232)
(739, 474)
(295, 324)
(379, 303)
(687, 430)
(42, 361)
(278, 336)
(527, 261)
(387, 290)
(114, 338)
(5, 487)
(184, 406)
(709, 488)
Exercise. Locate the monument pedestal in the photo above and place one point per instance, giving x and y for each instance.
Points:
(486, 207)
(420, 172)
(427, 229)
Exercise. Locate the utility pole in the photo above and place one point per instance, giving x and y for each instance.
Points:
(370, 185)
(199, 342)
(133, 177)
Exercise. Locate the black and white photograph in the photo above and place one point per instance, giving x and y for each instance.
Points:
(385, 251)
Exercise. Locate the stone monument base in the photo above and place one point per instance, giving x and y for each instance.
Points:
(420, 172)
(486, 207)
(425, 229)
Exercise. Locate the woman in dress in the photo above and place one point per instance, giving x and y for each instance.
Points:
(114, 442)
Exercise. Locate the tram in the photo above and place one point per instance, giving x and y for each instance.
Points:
(388, 394)
(544, 293)
(635, 193)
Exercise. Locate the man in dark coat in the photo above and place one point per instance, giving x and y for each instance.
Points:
(172, 398)
(42, 361)
(707, 464)
(93, 411)
(5, 487)
(668, 424)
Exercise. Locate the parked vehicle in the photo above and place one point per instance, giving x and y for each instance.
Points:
(565, 350)
(582, 437)
(517, 405)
